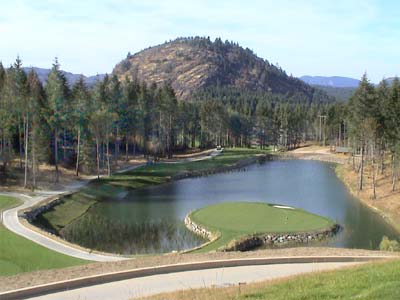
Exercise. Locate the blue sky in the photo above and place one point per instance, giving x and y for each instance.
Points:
(338, 37)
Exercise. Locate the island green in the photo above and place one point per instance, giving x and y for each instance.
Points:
(233, 220)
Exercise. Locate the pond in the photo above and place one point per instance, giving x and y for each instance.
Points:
(150, 220)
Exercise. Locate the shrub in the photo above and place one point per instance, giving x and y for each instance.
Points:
(389, 245)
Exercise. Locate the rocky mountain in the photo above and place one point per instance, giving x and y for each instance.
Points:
(332, 81)
(193, 64)
(71, 78)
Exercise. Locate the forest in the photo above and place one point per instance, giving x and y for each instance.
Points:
(93, 129)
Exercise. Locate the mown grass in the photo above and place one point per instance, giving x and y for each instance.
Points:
(18, 254)
(8, 202)
(380, 280)
(77, 204)
(233, 220)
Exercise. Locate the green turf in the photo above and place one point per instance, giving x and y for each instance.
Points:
(233, 220)
(368, 282)
(8, 202)
(18, 254)
(72, 206)
(76, 205)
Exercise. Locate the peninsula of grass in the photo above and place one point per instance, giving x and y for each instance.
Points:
(234, 220)
(77, 204)
(18, 254)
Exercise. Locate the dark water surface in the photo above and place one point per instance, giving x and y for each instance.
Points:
(150, 220)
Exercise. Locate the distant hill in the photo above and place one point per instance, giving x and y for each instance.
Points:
(71, 78)
(194, 64)
(332, 81)
(339, 93)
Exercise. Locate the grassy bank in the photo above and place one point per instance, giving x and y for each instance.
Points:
(77, 204)
(368, 282)
(233, 220)
(18, 254)
(8, 202)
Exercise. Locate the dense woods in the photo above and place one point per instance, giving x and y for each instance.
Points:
(93, 129)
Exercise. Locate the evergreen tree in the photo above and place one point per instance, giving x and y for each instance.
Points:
(57, 94)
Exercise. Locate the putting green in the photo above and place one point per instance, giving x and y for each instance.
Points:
(235, 219)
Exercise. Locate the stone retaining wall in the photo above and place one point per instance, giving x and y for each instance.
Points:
(280, 239)
(31, 214)
(251, 242)
(197, 229)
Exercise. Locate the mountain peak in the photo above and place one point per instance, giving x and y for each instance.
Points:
(192, 64)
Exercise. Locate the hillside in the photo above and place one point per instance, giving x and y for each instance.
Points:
(333, 81)
(71, 78)
(194, 64)
(340, 93)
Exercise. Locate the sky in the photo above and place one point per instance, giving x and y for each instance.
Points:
(327, 38)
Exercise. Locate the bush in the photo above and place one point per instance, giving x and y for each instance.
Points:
(389, 245)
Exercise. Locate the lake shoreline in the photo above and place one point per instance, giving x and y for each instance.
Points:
(348, 178)
(31, 214)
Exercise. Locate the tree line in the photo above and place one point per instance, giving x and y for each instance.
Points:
(94, 129)
(369, 125)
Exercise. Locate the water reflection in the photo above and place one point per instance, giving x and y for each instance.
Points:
(150, 220)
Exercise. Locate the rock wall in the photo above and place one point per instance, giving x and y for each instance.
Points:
(197, 229)
(251, 242)
(32, 214)
(279, 239)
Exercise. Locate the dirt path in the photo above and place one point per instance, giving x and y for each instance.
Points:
(318, 153)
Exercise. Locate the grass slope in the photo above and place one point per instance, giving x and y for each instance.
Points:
(77, 204)
(18, 254)
(367, 282)
(235, 219)
(8, 202)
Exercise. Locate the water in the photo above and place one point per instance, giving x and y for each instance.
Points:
(150, 220)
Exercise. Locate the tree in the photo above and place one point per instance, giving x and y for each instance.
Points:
(391, 111)
(82, 107)
(57, 93)
(100, 123)
(363, 110)
(18, 97)
(36, 105)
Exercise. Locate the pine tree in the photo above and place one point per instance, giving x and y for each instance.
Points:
(81, 108)
(363, 108)
(57, 94)
(36, 105)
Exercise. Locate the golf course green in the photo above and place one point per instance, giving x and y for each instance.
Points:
(233, 220)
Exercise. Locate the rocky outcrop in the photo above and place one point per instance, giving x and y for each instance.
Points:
(191, 65)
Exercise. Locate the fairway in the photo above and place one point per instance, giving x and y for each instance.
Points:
(235, 219)
(18, 254)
